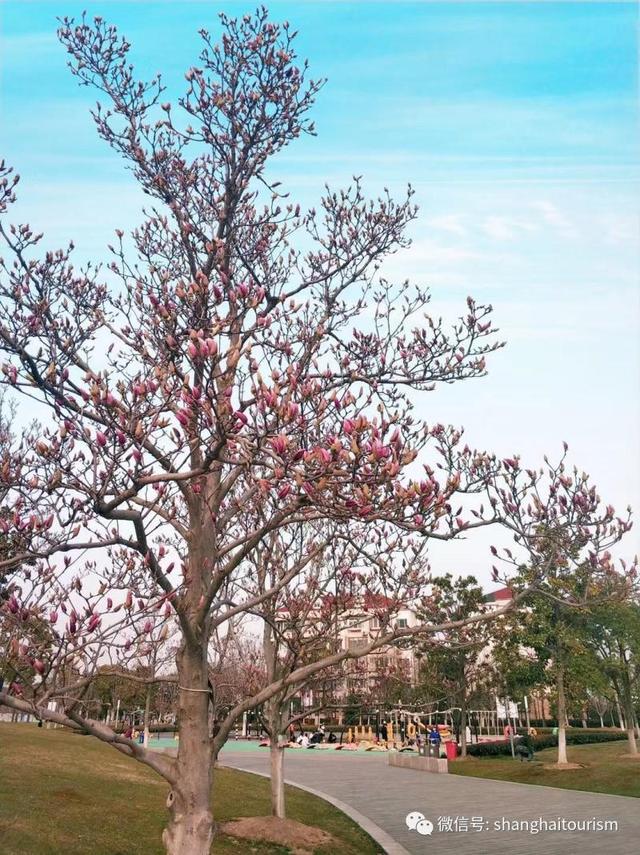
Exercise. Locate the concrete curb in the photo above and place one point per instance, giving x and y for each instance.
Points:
(390, 846)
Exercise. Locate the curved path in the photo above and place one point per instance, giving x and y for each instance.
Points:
(385, 794)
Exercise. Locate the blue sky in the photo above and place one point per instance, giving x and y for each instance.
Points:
(517, 124)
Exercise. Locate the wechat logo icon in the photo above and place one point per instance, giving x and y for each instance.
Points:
(417, 821)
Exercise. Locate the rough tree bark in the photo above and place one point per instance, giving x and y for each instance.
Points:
(277, 748)
(276, 726)
(147, 712)
(621, 724)
(629, 712)
(562, 716)
(190, 828)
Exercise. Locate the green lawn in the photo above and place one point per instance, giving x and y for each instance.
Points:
(606, 771)
(64, 793)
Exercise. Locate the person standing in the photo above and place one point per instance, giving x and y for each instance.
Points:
(434, 741)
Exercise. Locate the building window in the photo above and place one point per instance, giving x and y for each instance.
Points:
(402, 623)
(356, 643)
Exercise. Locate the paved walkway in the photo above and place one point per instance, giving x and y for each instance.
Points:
(386, 794)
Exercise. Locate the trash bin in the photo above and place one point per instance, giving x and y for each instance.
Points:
(451, 748)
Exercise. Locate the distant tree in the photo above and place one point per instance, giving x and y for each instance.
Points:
(453, 666)
(615, 638)
(601, 705)
(298, 629)
(563, 587)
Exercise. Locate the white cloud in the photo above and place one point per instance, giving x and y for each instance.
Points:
(553, 216)
(451, 223)
(506, 228)
(621, 228)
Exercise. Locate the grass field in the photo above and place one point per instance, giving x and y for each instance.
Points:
(64, 793)
(605, 770)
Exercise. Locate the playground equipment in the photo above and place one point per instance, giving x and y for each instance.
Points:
(406, 728)
(363, 736)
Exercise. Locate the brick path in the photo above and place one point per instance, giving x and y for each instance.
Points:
(386, 794)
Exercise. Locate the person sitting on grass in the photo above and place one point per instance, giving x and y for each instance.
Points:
(524, 750)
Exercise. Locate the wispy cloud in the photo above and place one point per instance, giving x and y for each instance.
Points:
(554, 217)
(451, 223)
(506, 228)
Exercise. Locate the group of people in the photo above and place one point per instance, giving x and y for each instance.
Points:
(309, 740)
(432, 735)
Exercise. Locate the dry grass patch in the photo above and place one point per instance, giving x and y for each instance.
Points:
(300, 839)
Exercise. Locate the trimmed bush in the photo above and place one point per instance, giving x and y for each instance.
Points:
(579, 736)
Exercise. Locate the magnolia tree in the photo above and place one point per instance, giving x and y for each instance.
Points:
(236, 669)
(218, 384)
(297, 630)
(322, 580)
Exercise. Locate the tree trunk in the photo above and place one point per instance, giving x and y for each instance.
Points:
(629, 712)
(190, 828)
(463, 728)
(601, 721)
(277, 776)
(619, 712)
(562, 718)
(147, 710)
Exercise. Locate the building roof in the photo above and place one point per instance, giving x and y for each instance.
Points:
(502, 595)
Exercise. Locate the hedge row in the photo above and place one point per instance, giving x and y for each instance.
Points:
(538, 743)
(592, 721)
(153, 728)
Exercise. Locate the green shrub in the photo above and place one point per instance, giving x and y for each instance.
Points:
(577, 736)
